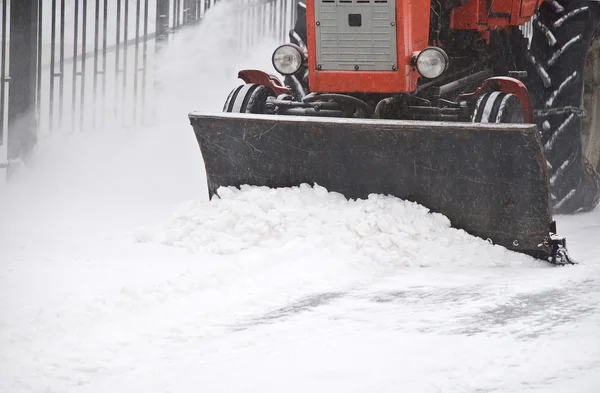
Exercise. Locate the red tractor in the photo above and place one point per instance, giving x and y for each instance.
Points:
(487, 111)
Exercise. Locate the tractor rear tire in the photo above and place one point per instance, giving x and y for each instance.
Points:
(564, 67)
(248, 98)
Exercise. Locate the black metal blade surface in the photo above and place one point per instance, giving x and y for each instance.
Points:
(488, 179)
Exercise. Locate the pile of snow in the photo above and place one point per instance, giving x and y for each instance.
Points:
(379, 230)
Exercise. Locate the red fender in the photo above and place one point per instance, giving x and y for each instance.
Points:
(506, 85)
(262, 78)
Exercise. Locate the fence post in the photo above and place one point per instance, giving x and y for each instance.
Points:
(162, 22)
(3, 85)
(22, 118)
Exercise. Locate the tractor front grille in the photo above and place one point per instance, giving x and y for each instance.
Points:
(356, 35)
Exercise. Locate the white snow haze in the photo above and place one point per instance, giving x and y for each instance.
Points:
(117, 274)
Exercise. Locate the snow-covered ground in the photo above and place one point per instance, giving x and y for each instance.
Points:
(117, 275)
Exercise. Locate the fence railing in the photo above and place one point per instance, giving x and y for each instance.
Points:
(77, 63)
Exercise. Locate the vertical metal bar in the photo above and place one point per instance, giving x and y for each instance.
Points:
(273, 23)
(286, 20)
(136, 64)
(39, 58)
(96, 60)
(75, 43)
(179, 13)
(61, 87)
(52, 64)
(23, 52)
(280, 19)
(104, 50)
(283, 18)
(162, 33)
(294, 13)
(240, 25)
(3, 71)
(117, 55)
(255, 22)
(254, 26)
(83, 62)
(276, 12)
(267, 18)
(250, 25)
(264, 20)
(236, 25)
(145, 59)
(125, 49)
(162, 23)
(194, 11)
(174, 14)
(245, 22)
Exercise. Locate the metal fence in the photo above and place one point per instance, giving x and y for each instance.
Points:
(77, 63)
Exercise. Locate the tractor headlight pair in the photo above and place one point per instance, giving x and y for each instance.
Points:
(287, 59)
(432, 62)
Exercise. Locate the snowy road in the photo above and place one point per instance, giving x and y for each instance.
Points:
(88, 307)
(116, 276)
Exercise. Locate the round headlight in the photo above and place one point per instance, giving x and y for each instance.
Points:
(287, 59)
(432, 62)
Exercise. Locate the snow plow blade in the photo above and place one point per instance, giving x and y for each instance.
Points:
(488, 179)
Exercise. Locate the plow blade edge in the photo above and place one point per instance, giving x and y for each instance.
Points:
(488, 179)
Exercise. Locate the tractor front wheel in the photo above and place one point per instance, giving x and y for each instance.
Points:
(248, 98)
(498, 107)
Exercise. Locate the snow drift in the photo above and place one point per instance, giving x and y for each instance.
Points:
(379, 230)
